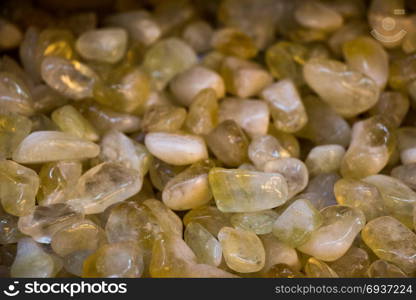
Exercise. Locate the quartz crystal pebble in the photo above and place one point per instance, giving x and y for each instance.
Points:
(264, 149)
(15, 96)
(198, 35)
(189, 189)
(370, 149)
(202, 116)
(9, 232)
(398, 198)
(206, 247)
(229, 143)
(176, 148)
(324, 159)
(73, 79)
(382, 269)
(406, 144)
(353, 264)
(260, 222)
(348, 92)
(104, 185)
(105, 45)
(13, 129)
(316, 268)
(237, 190)
(243, 251)
(320, 190)
(163, 118)
(167, 58)
(250, 115)
(19, 188)
(189, 83)
(406, 174)
(286, 106)
(295, 225)
(44, 221)
(231, 41)
(340, 226)
(47, 146)
(393, 106)
(317, 15)
(32, 261)
(210, 217)
(392, 241)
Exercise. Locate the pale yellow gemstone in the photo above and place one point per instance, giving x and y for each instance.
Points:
(264, 149)
(315, 268)
(317, 15)
(13, 129)
(202, 115)
(392, 241)
(393, 106)
(324, 159)
(341, 224)
(243, 251)
(164, 118)
(237, 190)
(189, 83)
(354, 263)
(260, 222)
(285, 105)
(251, 115)
(19, 186)
(382, 269)
(46, 146)
(210, 217)
(198, 34)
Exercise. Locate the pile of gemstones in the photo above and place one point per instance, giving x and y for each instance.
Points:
(222, 138)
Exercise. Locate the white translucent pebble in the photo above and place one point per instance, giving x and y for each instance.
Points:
(293, 170)
(176, 149)
(324, 159)
(286, 106)
(72, 79)
(316, 15)
(251, 115)
(140, 25)
(189, 83)
(10, 35)
(105, 185)
(340, 226)
(32, 261)
(278, 252)
(265, 148)
(348, 92)
(47, 146)
(103, 45)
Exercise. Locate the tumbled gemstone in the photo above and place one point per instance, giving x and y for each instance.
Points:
(210, 217)
(288, 141)
(237, 190)
(406, 174)
(340, 226)
(104, 45)
(371, 146)
(316, 268)
(265, 148)
(251, 115)
(367, 56)
(406, 144)
(286, 106)
(324, 159)
(243, 78)
(9, 232)
(140, 25)
(104, 185)
(198, 35)
(167, 58)
(117, 147)
(54, 42)
(47, 146)
(44, 221)
(348, 32)
(393, 106)
(353, 264)
(189, 83)
(360, 194)
(320, 190)
(71, 121)
(231, 41)
(324, 125)
(348, 92)
(285, 60)
(229, 143)
(176, 148)
(15, 96)
(382, 269)
(32, 261)
(296, 223)
(243, 251)
(278, 252)
(46, 99)
(19, 188)
(117, 260)
(398, 198)
(13, 129)
(163, 118)
(293, 170)
(260, 222)
(202, 115)
(392, 241)
(161, 172)
(189, 189)
(71, 78)
(317, 15)
(206, 247)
